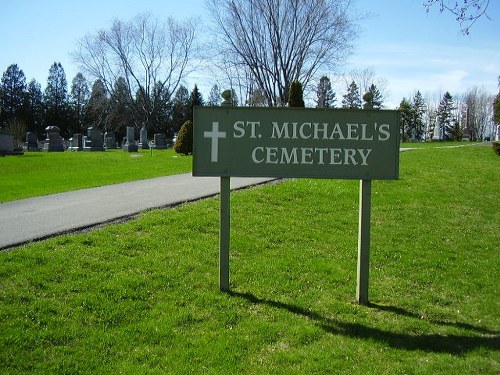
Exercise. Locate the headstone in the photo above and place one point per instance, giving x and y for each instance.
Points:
(6, 142)
(109, 140)
(32, 142)
(143, 138)
(53, 143)
(94, 141)
(76, 143)
(129, 144)
(160, 141)
(437, 133)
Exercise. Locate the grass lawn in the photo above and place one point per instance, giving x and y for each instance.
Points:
(142, 297)
(39, 173)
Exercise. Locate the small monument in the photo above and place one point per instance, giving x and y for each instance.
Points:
(437, 133)
(129, 144)
(31, 142)
(160, 141)
(54, 142)
(6, 143)
(109, 140)
(143, 138)
(94, 140)
(76, 143)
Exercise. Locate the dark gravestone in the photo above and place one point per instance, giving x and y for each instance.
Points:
(6, 142)
(76, 143)
(143, 139)
(109, 140)
(94, 141)
(160, 141)
(129, 141)
(53, 143)
(32, 142)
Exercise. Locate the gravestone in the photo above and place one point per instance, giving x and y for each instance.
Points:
(94, 141)
(143, 138)
(109, 140)
(76, 143)
(31, 142)
(129, 144)
(6, 142)
(437, 133)
(54, 142)
(160, 141)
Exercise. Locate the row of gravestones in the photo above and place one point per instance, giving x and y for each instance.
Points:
(95, 141)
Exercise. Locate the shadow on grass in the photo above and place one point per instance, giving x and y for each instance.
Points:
(452, 344)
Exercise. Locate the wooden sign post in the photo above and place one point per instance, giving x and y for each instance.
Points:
(296, 143)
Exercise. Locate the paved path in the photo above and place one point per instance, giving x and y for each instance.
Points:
(32, 219)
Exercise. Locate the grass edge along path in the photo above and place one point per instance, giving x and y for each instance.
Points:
(40, 173)
(142, 297)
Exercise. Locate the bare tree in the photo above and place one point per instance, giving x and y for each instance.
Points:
(365, 78)
(281, 41)
(477, 113)
(467, 12)
(151, 56)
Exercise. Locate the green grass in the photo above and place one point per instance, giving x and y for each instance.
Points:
(142, 297)
(40, 173)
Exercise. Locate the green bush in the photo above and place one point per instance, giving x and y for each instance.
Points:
(184, 143)
(496, 147)
(295, 98)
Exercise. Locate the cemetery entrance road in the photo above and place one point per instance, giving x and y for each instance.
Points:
(42, 217)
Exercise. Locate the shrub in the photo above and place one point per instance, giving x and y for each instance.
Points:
(295, 98)
(496, 147)
(184, 143)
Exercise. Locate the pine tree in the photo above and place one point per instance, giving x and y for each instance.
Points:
(80, 94)
(180, 108)
(352, 98)
(324, 93)
(419, 109)
(34, 103)
(295, 98)
(445, 116)
(407, 116)
(195, 99)
(119, 111)
(12, 97)
(55, 99)
(377, 99)
(98, 105)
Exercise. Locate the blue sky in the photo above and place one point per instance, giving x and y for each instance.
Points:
(409, 48)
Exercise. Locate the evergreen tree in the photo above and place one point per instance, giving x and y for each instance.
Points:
(79, 97)
(12, 94)
(180, 108)
(214, 97)
(34, 103)
(496, 106)
(352, 98)
(184, 142)
(195, 99)
(119, 113)
(407, 115)
(419, 109)
(97, 106)
(445, 116)
(377, 99)
(55, 99)
(296, 98)
(161, 118)
(324, 93)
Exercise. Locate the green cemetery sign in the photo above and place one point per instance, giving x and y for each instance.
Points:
(296, 142)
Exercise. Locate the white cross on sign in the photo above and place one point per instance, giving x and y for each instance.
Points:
(215, 134)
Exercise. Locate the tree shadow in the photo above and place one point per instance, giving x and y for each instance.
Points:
(451, 344)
